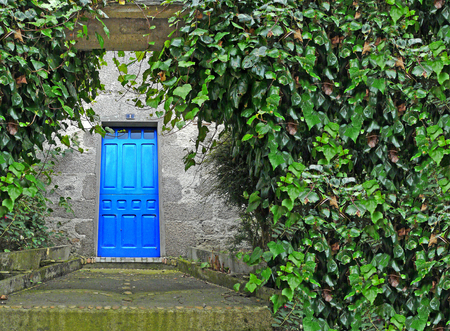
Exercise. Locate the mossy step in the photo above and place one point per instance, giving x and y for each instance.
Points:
(125, 318)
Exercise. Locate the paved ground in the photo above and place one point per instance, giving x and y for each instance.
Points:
(114, 289)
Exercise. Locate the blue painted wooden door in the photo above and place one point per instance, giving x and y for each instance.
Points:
(129, 209)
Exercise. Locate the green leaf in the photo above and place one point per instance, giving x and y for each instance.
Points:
(395, 13)
(254, 201)
(236, 287)
(380, 84)
(443, 77)
(371, 186)
(65, 140)
(398, 321)
(288, 203)
(311, 117)
(368, 270)
(370, 293)
(183, 91)
(37, 64)
(276, 159)
(288, 292)
(13, 192)
(332, 129)
(8, 203)
(437, 155)
(275, 248)
(248, 136)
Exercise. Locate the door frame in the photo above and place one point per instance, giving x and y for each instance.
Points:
(98, 160)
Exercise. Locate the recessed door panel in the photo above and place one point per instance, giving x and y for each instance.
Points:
(129, 207)
(110, 178)
(129, 166)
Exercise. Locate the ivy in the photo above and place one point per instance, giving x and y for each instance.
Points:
(339, 110)
(43, 82)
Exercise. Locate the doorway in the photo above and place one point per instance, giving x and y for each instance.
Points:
(129, 222)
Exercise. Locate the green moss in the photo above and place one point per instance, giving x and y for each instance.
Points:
(127, 319)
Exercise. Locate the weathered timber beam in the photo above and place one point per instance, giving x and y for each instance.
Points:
(129, 27)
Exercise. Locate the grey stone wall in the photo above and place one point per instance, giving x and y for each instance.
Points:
(188, 217)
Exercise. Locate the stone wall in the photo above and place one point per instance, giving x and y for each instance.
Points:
(190, 218)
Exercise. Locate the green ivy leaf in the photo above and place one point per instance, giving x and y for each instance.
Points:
(276, 159)
(370, 293)
(395, 13)
(8, 203)
(380, 84)
(183, 91)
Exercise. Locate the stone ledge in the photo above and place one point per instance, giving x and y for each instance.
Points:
(222, 279)
(20, 282)
(30, 259)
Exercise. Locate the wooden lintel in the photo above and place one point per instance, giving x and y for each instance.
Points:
(141, 10)
(130, 27)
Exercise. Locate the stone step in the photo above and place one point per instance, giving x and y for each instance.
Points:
(131, 299)
(123, 318)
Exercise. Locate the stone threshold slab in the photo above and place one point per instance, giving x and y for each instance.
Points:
(129, 259)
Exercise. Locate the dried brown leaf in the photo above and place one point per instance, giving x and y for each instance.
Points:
(334, 202)
(335, 40)
(270, 34)
(298, 35)
(399, 63)
(423, 207)
(162, 76)
(367, 48)
(12, 128)
(327, 88)
(21, 80)
(401, 109)
(378, 41)
(433, 240)
(220, 43)
(3, 297)
(393, 280)
(291, 128)
(401, 232)
(18, 35)
(335, 247)
(439, 3)
(393, 156)
(199, 15)
(327, 295)
(357, 15)
(372, 140)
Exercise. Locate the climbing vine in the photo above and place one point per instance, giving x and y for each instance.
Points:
(340, 110)
(43, 82)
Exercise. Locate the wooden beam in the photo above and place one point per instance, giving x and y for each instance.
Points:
(129, 27)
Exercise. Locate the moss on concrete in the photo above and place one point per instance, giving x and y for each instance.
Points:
(120, 319)
(221, 279)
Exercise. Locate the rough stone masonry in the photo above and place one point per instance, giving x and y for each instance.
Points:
(188, 217)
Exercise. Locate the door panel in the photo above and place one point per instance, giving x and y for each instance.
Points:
(129, 212)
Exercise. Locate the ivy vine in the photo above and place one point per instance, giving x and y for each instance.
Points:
(340, 111)
(43, 82)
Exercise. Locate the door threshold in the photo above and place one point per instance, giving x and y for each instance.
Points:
(129, 259)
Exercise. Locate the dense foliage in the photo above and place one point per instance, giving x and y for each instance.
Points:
(43, 81)
(341, 111)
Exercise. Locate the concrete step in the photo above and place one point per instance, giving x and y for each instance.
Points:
(131, 299)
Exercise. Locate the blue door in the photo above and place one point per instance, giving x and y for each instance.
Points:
(129, 209)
